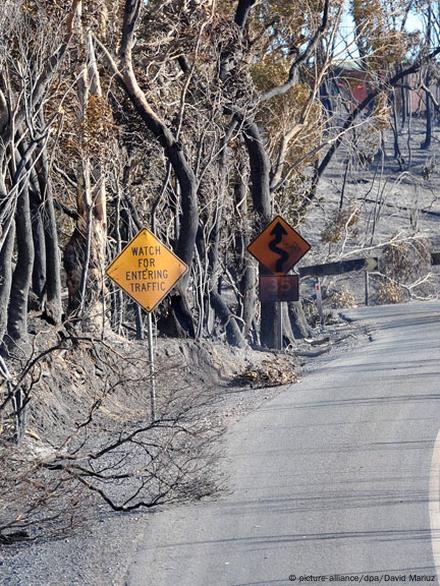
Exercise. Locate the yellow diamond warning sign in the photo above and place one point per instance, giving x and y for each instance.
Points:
(146, 269)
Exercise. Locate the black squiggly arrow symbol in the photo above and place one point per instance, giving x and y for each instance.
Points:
(278, 231)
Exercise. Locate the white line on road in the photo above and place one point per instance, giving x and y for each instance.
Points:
(434, 504)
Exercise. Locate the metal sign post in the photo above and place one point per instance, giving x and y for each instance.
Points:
(367, 288)
(319, 300)
(152, 367)
(147, 270)
(280, 312)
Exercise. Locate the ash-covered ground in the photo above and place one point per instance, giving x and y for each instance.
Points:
(380, 208)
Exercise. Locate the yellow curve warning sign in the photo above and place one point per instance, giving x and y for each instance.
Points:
(146, 269)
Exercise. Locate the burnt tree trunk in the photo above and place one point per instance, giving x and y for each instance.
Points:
(227, 319)
(246, 273)
(53, 308)
(221, 308)
(300, 327)
(52, 304)
(426, 144)
(6, 253)
(22, 276)
(249, 295)
(403, 104)
(262, 201)
(428, 129)
(40, 264)
(84, 256)
(397, 152)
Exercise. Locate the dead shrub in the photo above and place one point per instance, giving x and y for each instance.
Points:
(102, 446)
(32, 496)
(340, 223)
(405, 266)
(389, 292)
(342, 298)
(271, 373)
(406, 260)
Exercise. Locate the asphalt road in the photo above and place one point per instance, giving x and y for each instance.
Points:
(339, 475)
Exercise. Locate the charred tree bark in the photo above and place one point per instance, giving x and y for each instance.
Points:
(53, 309)
(426, 144)
(221, 308)
(84, 258)
(300, 327)
(40, 263)
(249, 296)
(326, 98)
(262, 202)
(287, 334)
(243, 9)
(6, 267)
(47, 268)
(246, 272)
(260, 172)
(179, 321)
(227, 319)
(403, 104)
(428, 130)
(397, 152)
(187, 181)
(22, 277)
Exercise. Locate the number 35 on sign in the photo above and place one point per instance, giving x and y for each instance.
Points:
(275, 288)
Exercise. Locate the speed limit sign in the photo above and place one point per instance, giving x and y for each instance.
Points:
(275, 288)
